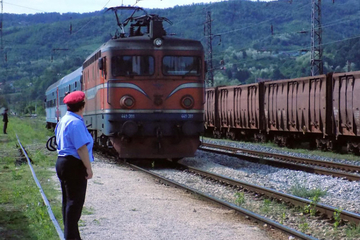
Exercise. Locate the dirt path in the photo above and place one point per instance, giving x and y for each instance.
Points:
(130, 205)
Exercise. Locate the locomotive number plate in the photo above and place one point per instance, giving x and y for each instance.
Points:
(128, 116)
(187, 116)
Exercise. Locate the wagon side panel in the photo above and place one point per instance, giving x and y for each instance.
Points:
(346, 99)
(209, 107)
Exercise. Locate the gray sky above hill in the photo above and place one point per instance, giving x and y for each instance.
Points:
(82, 6)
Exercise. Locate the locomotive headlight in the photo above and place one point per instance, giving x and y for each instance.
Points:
(187, 102)
(127, 101)
(158, 42)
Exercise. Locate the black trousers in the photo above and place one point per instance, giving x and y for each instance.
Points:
(71, 172)
(5, 126)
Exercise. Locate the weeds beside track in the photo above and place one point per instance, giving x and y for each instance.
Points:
(23, 214)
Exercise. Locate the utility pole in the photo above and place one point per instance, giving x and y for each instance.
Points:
(316, 39)
(209, 37)
(208, 34)
(1, 27)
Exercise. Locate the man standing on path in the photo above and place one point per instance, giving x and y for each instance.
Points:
(5, 120)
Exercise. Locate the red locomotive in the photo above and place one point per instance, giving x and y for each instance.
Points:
(145, 90)
(322, 110)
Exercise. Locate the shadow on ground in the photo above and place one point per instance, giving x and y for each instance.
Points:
(13, 225)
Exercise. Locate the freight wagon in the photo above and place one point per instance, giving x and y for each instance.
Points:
(322, 110)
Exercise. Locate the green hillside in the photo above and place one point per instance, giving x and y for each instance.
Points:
(39, 49)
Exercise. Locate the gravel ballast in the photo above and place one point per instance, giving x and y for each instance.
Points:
(340, 193)
(126, 204)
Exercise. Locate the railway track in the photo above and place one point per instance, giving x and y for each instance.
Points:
(270, 193)
(46, 201)
(243, 211)
(321, 209)
(346, 171)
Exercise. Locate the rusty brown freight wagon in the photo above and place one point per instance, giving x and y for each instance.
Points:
(323, 110)
(210, 111)
(238, 111)
(298, 109)
(346, 109)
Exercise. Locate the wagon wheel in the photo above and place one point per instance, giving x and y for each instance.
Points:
(280, 141)
(330, 146)
(216, 134)
(263, 138)
(319, 144)
(230, 135)
(353, 148)
(349, 148)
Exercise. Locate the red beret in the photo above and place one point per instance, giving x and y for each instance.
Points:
(74, 97)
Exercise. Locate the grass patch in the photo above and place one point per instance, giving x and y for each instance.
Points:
(266, 208)
(240, 198)
(301, 191)
(353, 232)
(87, 211)
(23, 214)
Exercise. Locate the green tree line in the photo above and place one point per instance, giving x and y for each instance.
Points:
(256, 41)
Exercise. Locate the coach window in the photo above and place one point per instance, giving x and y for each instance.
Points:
(61, 94)
(181, 65)
(132, 65)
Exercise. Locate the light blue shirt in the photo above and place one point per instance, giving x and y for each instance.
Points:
(71, 134)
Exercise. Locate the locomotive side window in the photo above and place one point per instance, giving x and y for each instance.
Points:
(181, 65)
(132, 65)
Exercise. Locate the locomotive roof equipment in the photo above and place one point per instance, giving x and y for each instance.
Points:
(152, 23)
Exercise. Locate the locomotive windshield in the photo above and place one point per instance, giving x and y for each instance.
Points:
(132, 65)
(181, 65)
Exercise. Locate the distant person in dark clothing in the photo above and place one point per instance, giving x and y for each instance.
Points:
(5, 120)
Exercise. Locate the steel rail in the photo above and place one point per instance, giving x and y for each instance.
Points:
(297, 201)
(328, 164)
(241, 210)
(48, 207)
(323, 170)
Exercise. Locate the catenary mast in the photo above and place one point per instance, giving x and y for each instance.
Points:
(316, 38)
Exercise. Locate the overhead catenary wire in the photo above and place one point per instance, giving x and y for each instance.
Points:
(72, 31)
(256, 24)
(244, 61)
(219, 56)
(329, 24)
(86, 24)
(235, 12)
(279, 16)
(17, 5)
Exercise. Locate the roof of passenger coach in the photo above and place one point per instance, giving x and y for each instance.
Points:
(71, 77)
(75, 75)
(52, 87)
(146, 43)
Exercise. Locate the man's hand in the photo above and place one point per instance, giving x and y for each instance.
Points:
(89, 173)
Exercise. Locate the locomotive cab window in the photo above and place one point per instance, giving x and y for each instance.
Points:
(181, 65)
(132, 65)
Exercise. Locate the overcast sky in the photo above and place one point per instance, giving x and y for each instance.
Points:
(81, 6)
